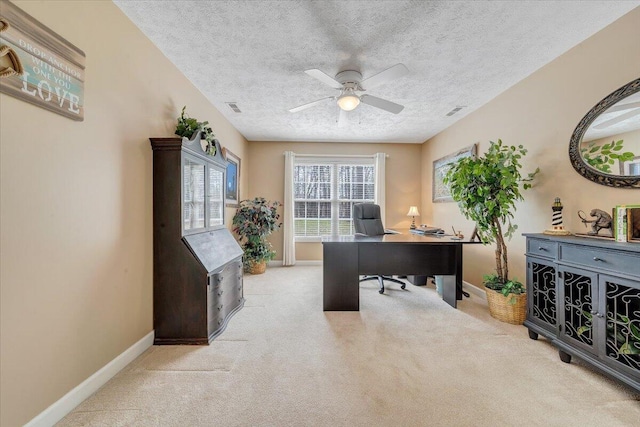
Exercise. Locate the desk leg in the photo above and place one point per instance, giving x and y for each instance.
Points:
(459, 272)
(340, 280)
(460, 292)
(449, 290)
(452, 285)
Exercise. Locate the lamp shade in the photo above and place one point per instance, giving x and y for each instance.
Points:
(348, 102)
(413, 211)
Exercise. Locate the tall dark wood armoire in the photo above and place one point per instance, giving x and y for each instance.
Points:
(197, 264)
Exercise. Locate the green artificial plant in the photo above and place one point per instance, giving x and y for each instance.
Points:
(510, 287)
(254, 220)
(486, 189)
(188, 126)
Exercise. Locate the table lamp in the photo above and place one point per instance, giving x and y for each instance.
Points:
(413, 213)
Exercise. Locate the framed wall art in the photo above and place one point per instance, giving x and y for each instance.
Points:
(440, 191)
(38, 66)
(232, 189)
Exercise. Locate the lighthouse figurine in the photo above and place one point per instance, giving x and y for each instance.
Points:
(556, 220)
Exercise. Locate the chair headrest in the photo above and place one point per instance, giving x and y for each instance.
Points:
(366, 211)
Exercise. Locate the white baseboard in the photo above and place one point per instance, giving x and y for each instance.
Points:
(466, 286)
(69, 401)
(278, 263)
(303, 263)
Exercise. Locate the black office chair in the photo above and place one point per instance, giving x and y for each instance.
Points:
(367, 221)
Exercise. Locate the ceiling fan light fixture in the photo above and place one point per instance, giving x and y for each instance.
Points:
(348, 101)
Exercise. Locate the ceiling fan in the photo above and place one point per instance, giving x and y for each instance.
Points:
(351, 86)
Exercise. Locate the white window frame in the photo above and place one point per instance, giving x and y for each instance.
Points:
(334, 161)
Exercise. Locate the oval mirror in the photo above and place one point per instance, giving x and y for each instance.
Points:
(605, 146)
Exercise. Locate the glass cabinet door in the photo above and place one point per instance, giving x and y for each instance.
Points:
(193, 195)
(216, 197)
(622, 307)
(578, 291)
(541, 292)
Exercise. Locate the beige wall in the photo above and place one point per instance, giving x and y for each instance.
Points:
(541, 112)
(76, 223)
(402, 180)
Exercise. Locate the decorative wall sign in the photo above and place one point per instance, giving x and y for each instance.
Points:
(39, 66)
(232, 190)
(441, 192)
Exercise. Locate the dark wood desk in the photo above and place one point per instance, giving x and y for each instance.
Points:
(345, 258)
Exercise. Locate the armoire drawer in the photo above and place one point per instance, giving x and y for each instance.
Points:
(601, 259)
(542, 248)
(221, 309)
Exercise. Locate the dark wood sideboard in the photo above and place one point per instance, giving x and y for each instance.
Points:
(584, 296)
(197, 264)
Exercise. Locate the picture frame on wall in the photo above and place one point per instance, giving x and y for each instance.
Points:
(633, 225)
(232, 186)
(440, 191)
(630, 167)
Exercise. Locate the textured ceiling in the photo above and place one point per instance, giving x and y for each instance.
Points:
(459, 53)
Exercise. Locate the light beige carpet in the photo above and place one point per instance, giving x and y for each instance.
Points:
(405, 359)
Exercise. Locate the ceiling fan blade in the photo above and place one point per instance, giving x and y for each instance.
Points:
(324, 78)
(389, 74)
(310, 104)
(383, 104)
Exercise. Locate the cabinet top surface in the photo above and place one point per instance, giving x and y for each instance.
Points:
(587, 241)
(194, 147)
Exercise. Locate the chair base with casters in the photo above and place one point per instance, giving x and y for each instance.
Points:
(381, 280)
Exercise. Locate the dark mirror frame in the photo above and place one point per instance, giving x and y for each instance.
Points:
(578, 162)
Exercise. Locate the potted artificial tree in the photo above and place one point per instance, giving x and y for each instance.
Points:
(254, 221)
(486, 189)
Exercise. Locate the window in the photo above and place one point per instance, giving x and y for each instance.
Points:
(202, 195)
(193, 193)
(216, 197)
(324, 194)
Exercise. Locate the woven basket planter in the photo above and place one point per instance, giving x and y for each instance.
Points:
(257, 267)
(501, 309)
